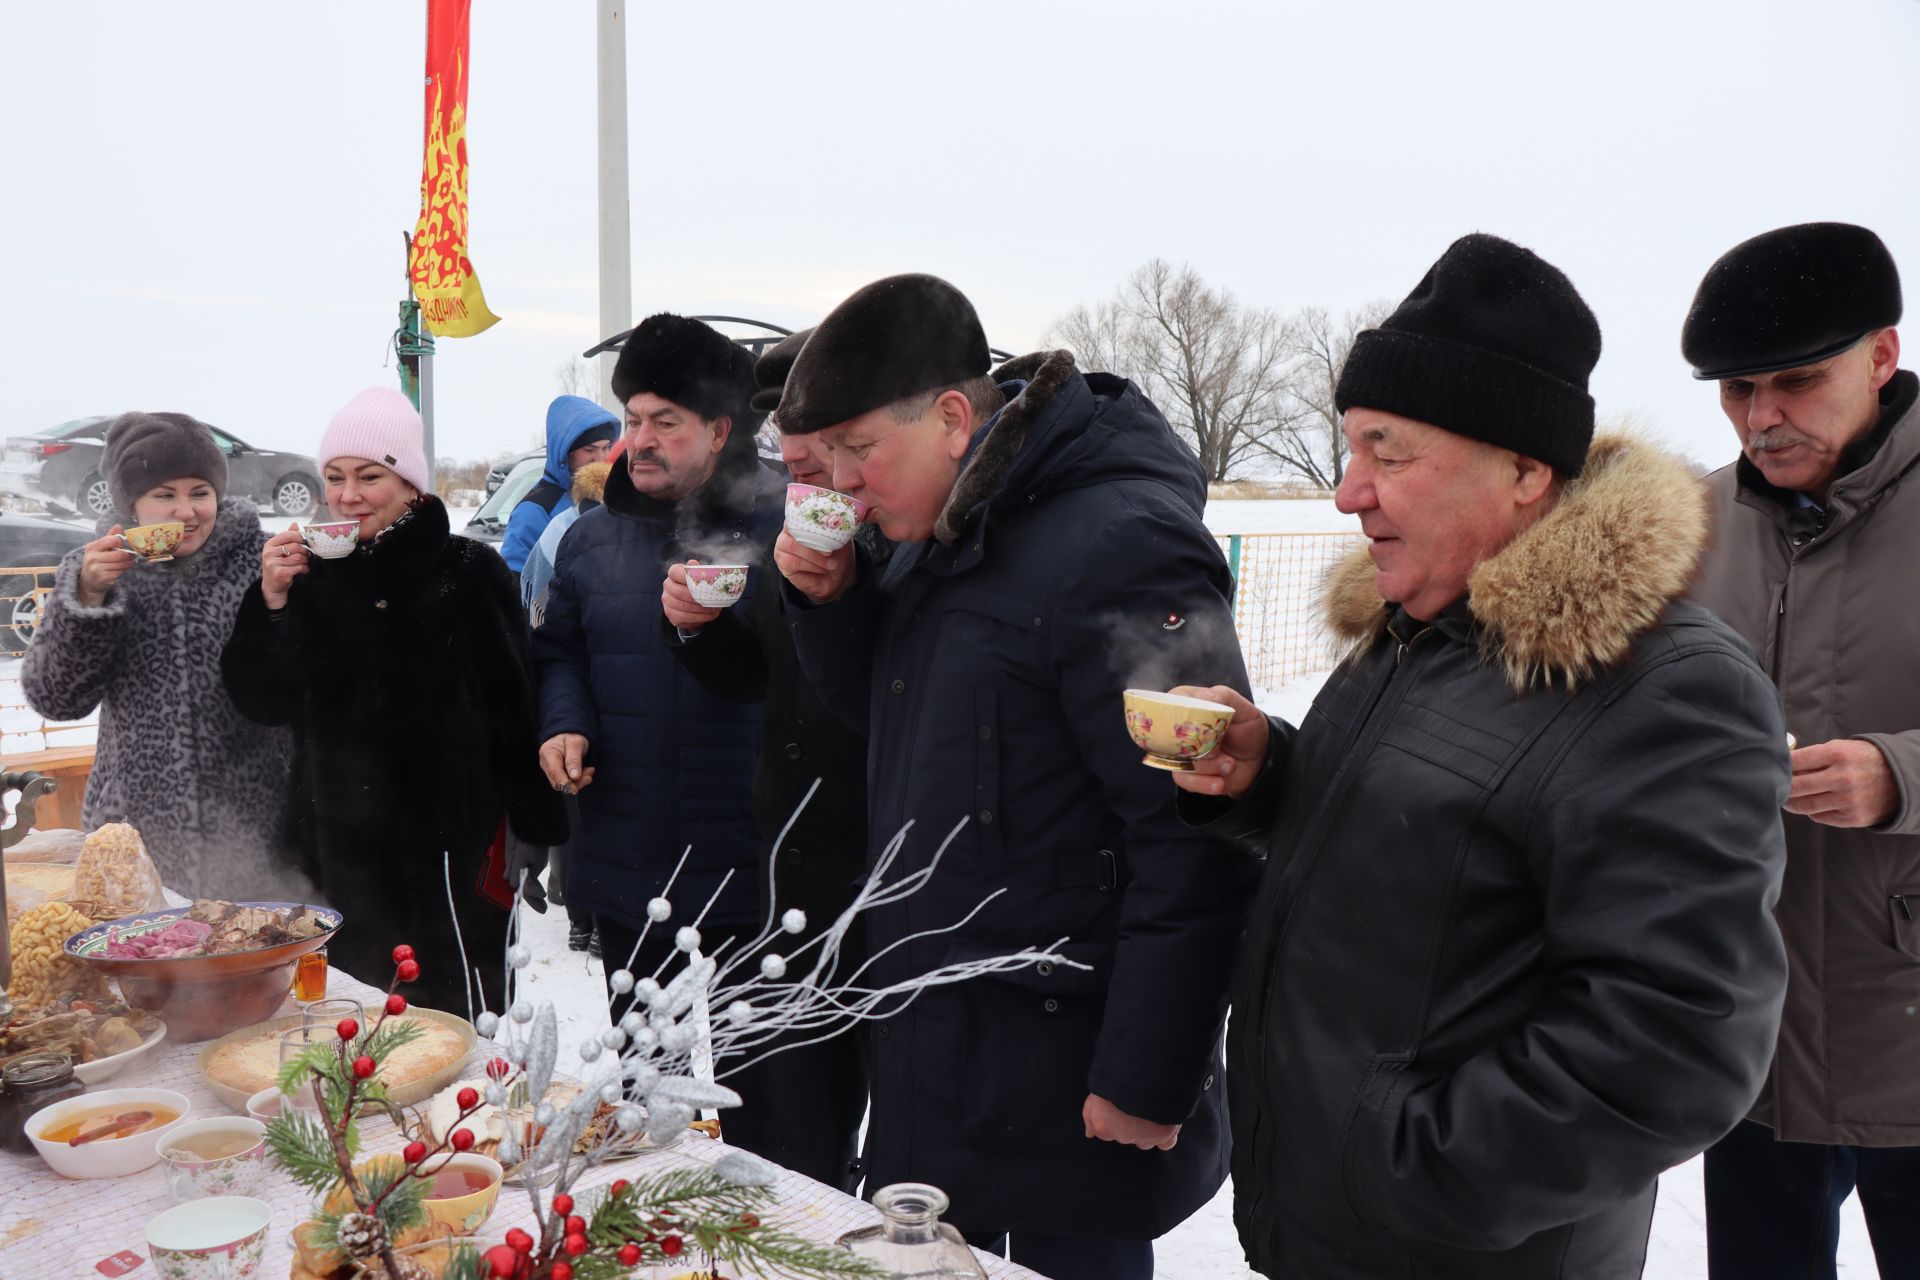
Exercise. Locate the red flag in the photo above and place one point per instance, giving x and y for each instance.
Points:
(443, 279)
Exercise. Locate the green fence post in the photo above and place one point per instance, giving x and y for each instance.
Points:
(1233, 556)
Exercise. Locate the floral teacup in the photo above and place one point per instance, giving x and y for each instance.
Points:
(155, 542)
(1174, 730)
(822, 519)
(716, 586)
(223, 1238)
(332, 541)
(238, 1170)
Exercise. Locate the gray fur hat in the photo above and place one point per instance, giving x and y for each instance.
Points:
(147, 449)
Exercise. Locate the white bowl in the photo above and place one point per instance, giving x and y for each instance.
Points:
(102, 1069)
(108, 1157)
(264, 1106)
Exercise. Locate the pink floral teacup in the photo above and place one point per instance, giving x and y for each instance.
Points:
(716, 586)
(334, 540)
(222, 1238)
(1172, 729)
(223, 1156)
(822, 519)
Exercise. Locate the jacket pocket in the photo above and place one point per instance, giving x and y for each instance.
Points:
(1029, 1037)
(1362, 1146)
(1903, 913)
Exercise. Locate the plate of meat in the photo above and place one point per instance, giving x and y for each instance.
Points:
(210, 967)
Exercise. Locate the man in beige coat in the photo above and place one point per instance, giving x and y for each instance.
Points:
(1815, 547)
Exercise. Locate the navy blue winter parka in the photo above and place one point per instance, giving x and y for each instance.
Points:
(674, 762)
(1070, 563)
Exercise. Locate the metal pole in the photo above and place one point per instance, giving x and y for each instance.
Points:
(413, 343)
(616, 253)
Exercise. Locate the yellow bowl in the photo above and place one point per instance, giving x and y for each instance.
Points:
(464, 1214)
(1174, 730)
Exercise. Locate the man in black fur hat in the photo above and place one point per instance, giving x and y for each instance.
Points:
(1051, 555)
(1815, 530)
(660, 763)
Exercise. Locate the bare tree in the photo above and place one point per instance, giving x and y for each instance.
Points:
(1216, 368)
(1309, 443)
(578, 376)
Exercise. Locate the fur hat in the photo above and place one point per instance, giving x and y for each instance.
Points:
(771, 369)
(1494, 344)
(381, 425)
(590, 483)
(691, 364)
(1790, 297)
(148, 449)
(892, 339)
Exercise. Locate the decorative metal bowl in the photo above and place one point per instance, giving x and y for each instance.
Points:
(201, 997)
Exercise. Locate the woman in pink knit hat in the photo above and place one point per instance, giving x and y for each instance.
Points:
(401, 669)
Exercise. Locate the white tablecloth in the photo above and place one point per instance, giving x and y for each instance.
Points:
(53, 1228)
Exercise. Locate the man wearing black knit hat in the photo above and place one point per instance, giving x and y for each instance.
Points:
(1514, 954)
(1814, 535)
(661, 764)
(1051, 556)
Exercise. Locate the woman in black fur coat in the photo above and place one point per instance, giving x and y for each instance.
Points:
(401, 669)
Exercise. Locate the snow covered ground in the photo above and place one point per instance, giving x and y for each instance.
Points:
(1205, 1246)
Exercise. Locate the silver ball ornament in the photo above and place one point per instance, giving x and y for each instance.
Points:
(658, 909)
(794, 920)
(773, 968)
(620, 982)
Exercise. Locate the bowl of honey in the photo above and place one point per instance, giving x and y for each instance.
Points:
(460, 1190)
(106, 1134)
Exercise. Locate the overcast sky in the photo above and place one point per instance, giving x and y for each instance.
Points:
(204, 202)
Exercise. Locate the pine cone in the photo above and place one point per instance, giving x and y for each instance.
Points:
(362, 1235)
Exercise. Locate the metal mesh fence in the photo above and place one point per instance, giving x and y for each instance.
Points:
(1276, 601)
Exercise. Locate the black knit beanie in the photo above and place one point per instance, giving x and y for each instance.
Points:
(148, 449)
(1494, 344)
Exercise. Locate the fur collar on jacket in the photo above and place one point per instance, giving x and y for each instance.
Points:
(1569, 597)
(1046, 373)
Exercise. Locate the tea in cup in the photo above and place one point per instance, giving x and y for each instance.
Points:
(223, 1156)
(822, 519)
(460, 1190)
(1174, 730)
(332, 541)
(155, 542)
(221, 1238)
(716, 586)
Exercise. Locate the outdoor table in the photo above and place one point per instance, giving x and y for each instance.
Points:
(55, 1228)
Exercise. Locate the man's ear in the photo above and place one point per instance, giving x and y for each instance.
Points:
(722, 428)
(1886, 357)
(956, 422)
(1532, 480)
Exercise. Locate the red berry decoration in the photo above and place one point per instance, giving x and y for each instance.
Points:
(575, 1245)
(363, 1066)
(415, 1152)
(462, 1139)
(748, 1220)
(502, 1261)
(620, 1188)
(467, 1098)
(408, 970)
(576, 1225)
(396, 1003)
(519, 1241)
(499, 1069)
(402, 953)
(629, 1254)
(562, 1271)
(671, 1246)
(347, 1028)
(563, 1204)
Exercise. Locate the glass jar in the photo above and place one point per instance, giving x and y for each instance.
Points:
(30, 1082)
(910, 1239)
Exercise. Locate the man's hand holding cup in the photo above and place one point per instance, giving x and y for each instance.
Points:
(820, 576)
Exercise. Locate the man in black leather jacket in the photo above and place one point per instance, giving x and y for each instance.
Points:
(1514, 952)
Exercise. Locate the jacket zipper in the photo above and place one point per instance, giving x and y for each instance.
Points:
(1900, 900)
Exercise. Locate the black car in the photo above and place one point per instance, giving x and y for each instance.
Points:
(30, 548)
(61, 465)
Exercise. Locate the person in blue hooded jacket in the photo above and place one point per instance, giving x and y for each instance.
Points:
(578, 432)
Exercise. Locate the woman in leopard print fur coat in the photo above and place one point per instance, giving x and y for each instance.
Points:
(206, 787)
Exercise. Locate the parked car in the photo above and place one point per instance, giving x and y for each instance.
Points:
(489, 523)
(30, 547)
(61, 465)
(498, 474)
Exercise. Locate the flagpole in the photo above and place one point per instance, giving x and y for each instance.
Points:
(414, 345)
(616, 255)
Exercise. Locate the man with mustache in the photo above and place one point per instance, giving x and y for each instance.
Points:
(661, 764)
(1816, 529)
(1514, 954)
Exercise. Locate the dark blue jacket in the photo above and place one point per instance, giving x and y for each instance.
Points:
(674, 762)
(568, 419)
(1071, 563)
